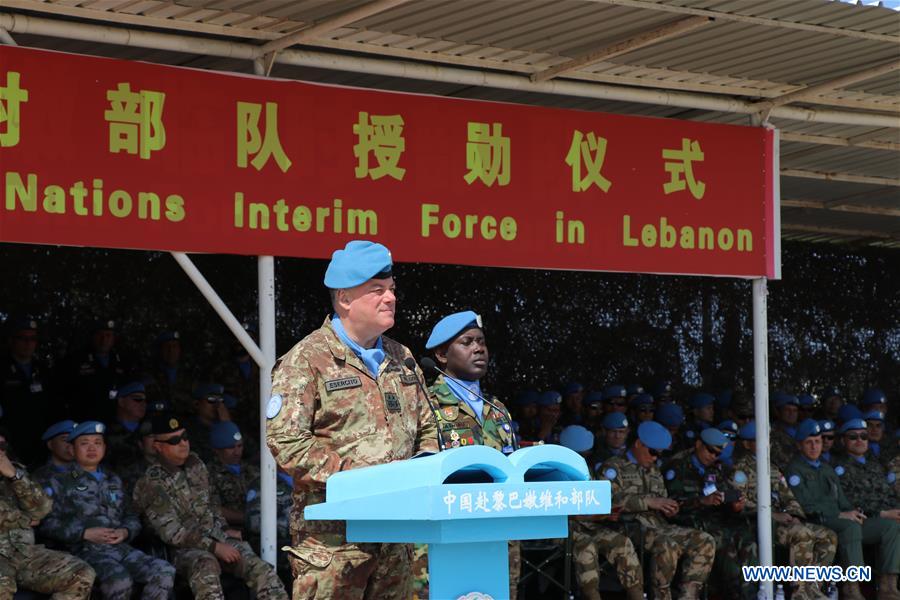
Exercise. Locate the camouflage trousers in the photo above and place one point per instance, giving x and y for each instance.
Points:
(667, 544)
(327, 567)
(119, 566)
(202, 570)
(809, 544)
(736, 546)
(590, 541)
(46, 572)
(420, 570)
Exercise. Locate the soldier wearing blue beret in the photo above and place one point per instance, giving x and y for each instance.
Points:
(240, 376)
(709, 501)
(122, 438)
(170, 378)
(56, 437)
(784, 428)
(572, 405)
(820, 490)
(343, 383)
(702, 412)
(614, 397)
(593, 411)
(465, 413)
(831, 399)
(92, 375)
(616, 427)
(229, 474)
(526, 413)
(828, 430)
(641, 407)
(24, 388)
(671, 416)
(209, 409)
(809, 406)
(94, 519)
(549, 408)
(875, 426)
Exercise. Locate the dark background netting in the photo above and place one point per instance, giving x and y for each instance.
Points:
(834, 318)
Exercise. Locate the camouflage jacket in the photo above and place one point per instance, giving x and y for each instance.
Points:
(84, 502)
(782, 447)
(48, 475)
(818, 490)
(632, 485)
(21, 502)
(177, 393)
(866, 484)
(178, 504)
(601, 454)
(460, 427)
(284, 502)
(689, 482)
(744, 479)
(893, 475)
(123, 446)
(328, 414)
(230, 489)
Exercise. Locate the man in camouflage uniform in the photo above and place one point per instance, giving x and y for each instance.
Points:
(22, 505)
(343, 398)
(699, 483)
(133, 471)
(61, 456)
(671, 416)
(170, 379)
(592, 539)
(92, 517)
(122, 436)
(209, 409)
(866, 484)
(818, 489)
(893, 475)
(175, 498)
(230, 476)
(614, 442)
(464, 417)
(782, 446)
(809, 544)
(639, 492)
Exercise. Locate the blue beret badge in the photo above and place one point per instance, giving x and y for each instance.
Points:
(891, 477)
(274, 406)
(740, 478)
(689, 433)
(794, 480)
(610, 473)
(839, 470)
(670, 475)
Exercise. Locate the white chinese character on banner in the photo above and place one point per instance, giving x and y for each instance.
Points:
(577, 498)
(498, 501)
(590, 498)
(449, 499)
(481, 503)
(561, 499)
(530, 500)
(546, 500)
(465, 502)
(514, 502)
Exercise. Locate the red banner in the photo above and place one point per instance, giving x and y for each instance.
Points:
(106, 153)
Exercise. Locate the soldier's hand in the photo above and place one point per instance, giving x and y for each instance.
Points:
(738, 506)
(6, 467)
(893, 513)
(714, 499)
(227, 553)
(99, 535)
(853, 515)
(782, 518)
(118, 536)
(666, 506)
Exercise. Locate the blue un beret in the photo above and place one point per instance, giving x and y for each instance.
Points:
(357, 263)
(615, 420)
(783, 399)
(826, 425)
(807, 428)
(87, 428)
(614, 391)
(132, 387)
(670, 415)
(549, 398)
(527, 398)
(701, 399)
(830, 391)
(852, 424)
(848, 412)
(713, 437)
(873, 396)
(224, 434)
(56, 429)
(661, 388)
(573, 387)
(747, 431)
(592, 398)
(577, 438)
(641, 400)
(634, 388)
(728, 427)
(451, 326)
(205, 390)
(653, 435)
(874, 415)
(806, 400)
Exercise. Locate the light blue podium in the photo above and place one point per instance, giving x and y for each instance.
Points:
(465, 503)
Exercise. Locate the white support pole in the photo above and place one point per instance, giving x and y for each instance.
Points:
(761, 398)
(268, 478)
(221, 309)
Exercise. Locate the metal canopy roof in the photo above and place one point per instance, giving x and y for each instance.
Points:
(827, 74)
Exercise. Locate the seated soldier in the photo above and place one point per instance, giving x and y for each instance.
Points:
(209, 409)
(134, 470)
(122, 435)
(229, 476)
(61, 455)
(175, 498)
(93, 517)
(615, 436)
(22, 505)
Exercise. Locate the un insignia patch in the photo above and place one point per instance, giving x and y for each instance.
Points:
(839, 470)
(794, 480)
(610, 474)
(274, 406)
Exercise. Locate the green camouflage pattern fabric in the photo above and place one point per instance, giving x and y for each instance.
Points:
(230, 489)
(334, 416)
(22, 562)
(734, 533)
(782, 447)
(894, 469)
(593, 540)
(48, 477)
(284, 501)
(602, 453)
(177, 393)
(180, 507)
(459, 425)
(131, 472)
(632, 485)
(83, 502)
(866, 484)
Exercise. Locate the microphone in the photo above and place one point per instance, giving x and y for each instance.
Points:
(410, 363)
(430, 367)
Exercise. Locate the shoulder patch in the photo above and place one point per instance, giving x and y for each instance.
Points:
(251, 494)
(839, 470)
(274, 406)
(610, 474)
(670, 475)
(49, 491)
(891, 477)
(740, 477)
(794, 480)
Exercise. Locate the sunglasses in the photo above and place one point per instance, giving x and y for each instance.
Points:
(646, 409)
(713, 450)
(174, 441)
(827, 437)
(857, 436)
(138, 398)
(617, 403)
(654, 453)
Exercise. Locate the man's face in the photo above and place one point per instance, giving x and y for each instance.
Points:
(370, 306)
(147, 445)
(61, 449)
(593, 413)
(231, 456)
(175, 453)
(827, 442)
(616, 405)
(806, 412)
(811, 447)
(132, 407)
(573, 402)
(644, 412)
(529, 411)
(550, 413)
(466, 357)
(788, 414)
(22, 345)
(644, 456)
(832, 404)
(89, 450)
(207, 408)
(856, 442)
(615, 438)
(705, 413)
(706, 454)
(170, 352)
(103, 341)
(875, 429)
